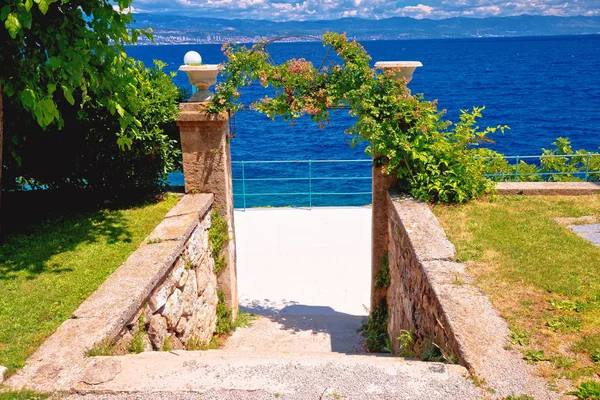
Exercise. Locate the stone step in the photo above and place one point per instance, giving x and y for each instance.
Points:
(232, 374)
(300, 333)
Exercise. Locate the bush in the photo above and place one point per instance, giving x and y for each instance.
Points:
(557, 164)
(589, 390)
(85, 153)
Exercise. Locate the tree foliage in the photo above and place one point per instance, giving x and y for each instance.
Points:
(433, 159)
(84, 153)
(53, 50)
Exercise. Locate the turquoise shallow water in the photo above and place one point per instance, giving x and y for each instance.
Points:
(541, 87)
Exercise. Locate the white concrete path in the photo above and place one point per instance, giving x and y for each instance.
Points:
(301, 261)
(308, 273)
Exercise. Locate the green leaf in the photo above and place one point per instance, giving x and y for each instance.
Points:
(43, 5)
(68, 92)
(120, 109)
(28, 98)
(12, 25)
(28, 5)
(4, 12)
(26, 20)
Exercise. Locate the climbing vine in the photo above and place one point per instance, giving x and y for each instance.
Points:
(218, 236)
(434, 159)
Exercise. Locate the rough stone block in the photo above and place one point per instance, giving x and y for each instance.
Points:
(159, 298)
(196, 248)
(184, 278)
(173, 309)
(201, 324)
(203, 273)
(189, 294)
(176, 343)
(147, 343)
(181, 325)
(157, 332)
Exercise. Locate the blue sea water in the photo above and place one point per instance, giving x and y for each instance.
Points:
(542, 87)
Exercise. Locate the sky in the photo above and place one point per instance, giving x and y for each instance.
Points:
(284, 10)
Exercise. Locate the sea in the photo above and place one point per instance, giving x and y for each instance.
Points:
(541, 87)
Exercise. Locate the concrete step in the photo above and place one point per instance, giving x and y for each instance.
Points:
(232, 374)
(299, 334)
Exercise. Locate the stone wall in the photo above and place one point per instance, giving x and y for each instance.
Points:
(415, 241)
(183, 307)
(431, 296)
(168, 283)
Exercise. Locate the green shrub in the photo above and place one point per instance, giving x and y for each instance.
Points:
(520, 337)
(374, 330)
(383, 275)
(595, 356)
(136, 345)
(565, 323)
(535, 356)
(23, 395)
(519, 397)
(558, 164)
(589, 390)
(406, 342)
(104, 348)
(224, 319)
(85, 153)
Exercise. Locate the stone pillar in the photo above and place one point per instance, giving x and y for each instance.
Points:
(382, 183)
(207, 169)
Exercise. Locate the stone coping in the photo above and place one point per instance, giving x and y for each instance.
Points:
(477, 332)
(548, 188)
(60, 360)
(194, 112)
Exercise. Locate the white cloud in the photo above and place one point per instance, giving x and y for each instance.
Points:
(331, 9)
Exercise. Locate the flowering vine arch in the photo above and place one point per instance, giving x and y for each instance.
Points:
(433, 159)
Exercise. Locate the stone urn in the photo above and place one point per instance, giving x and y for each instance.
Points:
(402, 69)
(202, 76)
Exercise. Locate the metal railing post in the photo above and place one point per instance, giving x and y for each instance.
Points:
(517, 169)
(587, 167)
(310, 183)
(244, 184)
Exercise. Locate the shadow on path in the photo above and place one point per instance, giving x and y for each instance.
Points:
(304, 321)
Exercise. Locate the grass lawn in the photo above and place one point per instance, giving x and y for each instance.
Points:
(49, 268)
(542, 277)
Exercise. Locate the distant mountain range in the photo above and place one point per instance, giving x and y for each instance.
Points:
(173, 28)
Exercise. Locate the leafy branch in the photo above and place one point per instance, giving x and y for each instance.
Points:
(434, 160)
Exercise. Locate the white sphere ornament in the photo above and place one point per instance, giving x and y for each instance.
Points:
(192, 57)
(202, 76)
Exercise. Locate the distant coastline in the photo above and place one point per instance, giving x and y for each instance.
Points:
(255, 40)
(186, 30)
